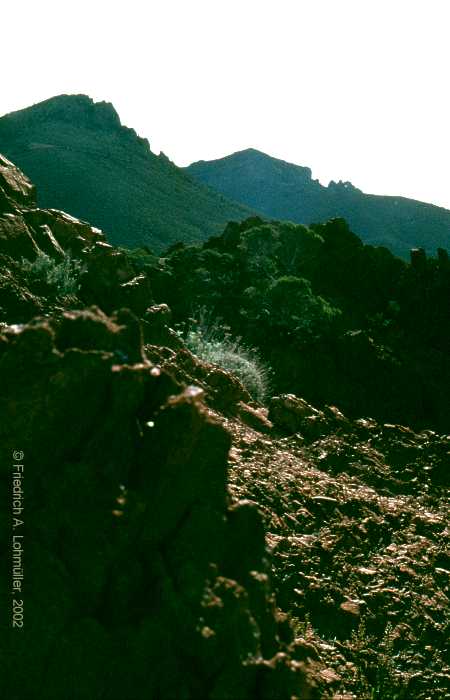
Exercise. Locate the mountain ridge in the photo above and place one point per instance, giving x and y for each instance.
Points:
(83, 160)
(283, 190)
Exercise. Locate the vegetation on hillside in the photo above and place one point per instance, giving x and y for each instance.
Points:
(63, 275)
(84, 162)
(338, 321)
(281, 190)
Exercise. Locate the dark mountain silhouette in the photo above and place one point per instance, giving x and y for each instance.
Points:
(84, 161)
(281, 190)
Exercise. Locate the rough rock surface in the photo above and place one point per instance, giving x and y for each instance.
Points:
(133, 587)
(15, 187)
(290, 414)
(223, 391)
(357, 524)
(27, 232)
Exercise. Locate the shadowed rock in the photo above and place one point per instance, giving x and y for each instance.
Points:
(134, 584)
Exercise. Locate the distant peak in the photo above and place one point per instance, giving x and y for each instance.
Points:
(64, 100)
(253, 154)
(246, 155)
(258, 162)
(250, 153)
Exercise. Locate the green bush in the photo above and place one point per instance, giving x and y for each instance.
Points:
(213, 343)
(62, 276)
(295, 309)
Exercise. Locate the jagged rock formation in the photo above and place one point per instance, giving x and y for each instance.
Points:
(281, 190)
(27, 232)
(15, 187)
(84, 161)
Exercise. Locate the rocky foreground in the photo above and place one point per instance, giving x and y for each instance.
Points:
(182, 541)
(357, 526)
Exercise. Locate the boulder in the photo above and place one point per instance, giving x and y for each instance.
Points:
(72, 234)
(15, 187)
(223, 391)
(255, 418)
(156, 327)
(16, 239)
(135, 294)
(290, 414)
(110, 282)
(91, 329)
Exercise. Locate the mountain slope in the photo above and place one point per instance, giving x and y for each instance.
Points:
(84, 161)
(282, 190)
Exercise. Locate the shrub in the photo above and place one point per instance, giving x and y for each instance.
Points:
(213, 343)
(295, 309)
(62, 276)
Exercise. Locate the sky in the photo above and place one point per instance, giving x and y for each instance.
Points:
(355, 89)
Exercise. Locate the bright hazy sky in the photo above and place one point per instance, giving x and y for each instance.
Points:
(355, 89)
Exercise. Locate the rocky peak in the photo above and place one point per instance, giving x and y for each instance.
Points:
(267, 164)
(239, 172)
(76, 109)
(342, 186)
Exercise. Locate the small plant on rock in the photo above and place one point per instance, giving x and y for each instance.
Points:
(212, 342)
(62, 276)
